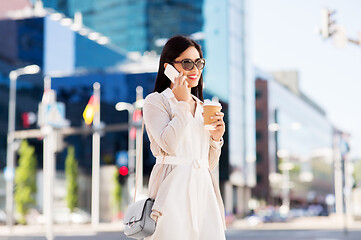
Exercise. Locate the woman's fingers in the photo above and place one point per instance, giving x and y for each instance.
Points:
(219, 115)
(185, 83)
(182, 79)
(177, 80)
(219, 122)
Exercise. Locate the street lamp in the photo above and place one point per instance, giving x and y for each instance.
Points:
(132, 153)
(285, 166)
(10, 158)
(122, 106)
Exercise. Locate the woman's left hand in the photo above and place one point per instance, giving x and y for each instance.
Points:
(219, 124)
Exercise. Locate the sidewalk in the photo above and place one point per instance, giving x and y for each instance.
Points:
(303, 223)
(61, 230)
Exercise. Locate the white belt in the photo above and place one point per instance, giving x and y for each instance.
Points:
(197, 164)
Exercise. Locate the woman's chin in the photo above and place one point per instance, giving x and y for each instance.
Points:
(193, 84)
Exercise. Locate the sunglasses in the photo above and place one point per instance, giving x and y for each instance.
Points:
(188, 64)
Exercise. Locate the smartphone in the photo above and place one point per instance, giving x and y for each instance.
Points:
(171, 72)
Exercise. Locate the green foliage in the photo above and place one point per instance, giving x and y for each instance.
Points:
(71, 175)
(25, 180)
(296, 170)
(117, 192)
(357, 173)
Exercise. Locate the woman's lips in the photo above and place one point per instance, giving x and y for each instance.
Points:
(193, 77)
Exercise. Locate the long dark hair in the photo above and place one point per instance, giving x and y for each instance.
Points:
(172, 49)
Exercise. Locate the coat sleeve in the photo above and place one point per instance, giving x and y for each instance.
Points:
(167, 130)
(214, 152)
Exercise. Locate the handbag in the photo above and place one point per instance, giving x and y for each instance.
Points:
(137, 220)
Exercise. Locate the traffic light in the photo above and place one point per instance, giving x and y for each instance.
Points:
(122, 164)
(327, 23)
(29, 118)
(122, 179)
(123, 170)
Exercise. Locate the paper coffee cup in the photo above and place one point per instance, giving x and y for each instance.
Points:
(209, 109)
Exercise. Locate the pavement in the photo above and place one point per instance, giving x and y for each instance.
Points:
(302, 223)
(331, 222)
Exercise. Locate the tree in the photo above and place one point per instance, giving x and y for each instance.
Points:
(117, 191)
(25, 180)
(71, 175)
(357, 173)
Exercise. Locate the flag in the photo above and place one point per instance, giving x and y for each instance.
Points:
(91, 108)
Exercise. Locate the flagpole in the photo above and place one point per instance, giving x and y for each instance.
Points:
(96, 157)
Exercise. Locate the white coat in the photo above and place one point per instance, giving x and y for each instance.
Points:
(188, 204)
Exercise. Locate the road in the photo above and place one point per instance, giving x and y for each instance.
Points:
(231, 235)
(306, 228)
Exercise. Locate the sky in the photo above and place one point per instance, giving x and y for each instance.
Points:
(284, 36)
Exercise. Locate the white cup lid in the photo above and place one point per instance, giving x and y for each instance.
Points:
(208, 102)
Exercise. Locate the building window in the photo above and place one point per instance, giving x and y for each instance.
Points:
(259, 178)
(258, 93)
(258, 115)
(258, 136)
(259, 158)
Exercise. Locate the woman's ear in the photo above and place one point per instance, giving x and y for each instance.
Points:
(165, 65)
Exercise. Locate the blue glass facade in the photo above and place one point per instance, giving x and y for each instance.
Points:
(229, 76)
(75, 92)
(23, 42)
(135, 25)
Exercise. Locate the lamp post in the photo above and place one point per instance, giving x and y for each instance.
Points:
(284, 166)
(96, 158)
(132, 153)
(122, 106)
(10, 158)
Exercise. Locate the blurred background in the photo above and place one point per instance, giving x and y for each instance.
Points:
(73, 76)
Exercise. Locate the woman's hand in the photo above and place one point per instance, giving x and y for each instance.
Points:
(219, 124)
(180, 88)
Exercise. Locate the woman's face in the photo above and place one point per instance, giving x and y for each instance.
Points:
(194, 74)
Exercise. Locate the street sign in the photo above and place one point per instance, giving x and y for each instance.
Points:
(122, 158)
(9, 173)
(52, 114)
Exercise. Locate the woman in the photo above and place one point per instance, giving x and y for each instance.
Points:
(187, 204)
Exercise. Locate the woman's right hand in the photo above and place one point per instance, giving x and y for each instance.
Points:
(180, 88)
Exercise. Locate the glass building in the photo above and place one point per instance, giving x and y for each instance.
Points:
(135, 25)
(229, 76)
(294, 138)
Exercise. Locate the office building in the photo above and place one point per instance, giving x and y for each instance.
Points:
(294, 143)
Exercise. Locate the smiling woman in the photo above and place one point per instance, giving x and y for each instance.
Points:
(188, 203)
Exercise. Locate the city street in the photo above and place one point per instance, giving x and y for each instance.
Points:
(231, 235)
(307, 228)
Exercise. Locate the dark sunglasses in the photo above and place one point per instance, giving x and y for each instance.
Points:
(188, 64)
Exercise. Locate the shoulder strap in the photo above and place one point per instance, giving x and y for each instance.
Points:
(140, 149)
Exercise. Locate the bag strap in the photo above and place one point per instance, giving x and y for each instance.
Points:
(140, 151)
